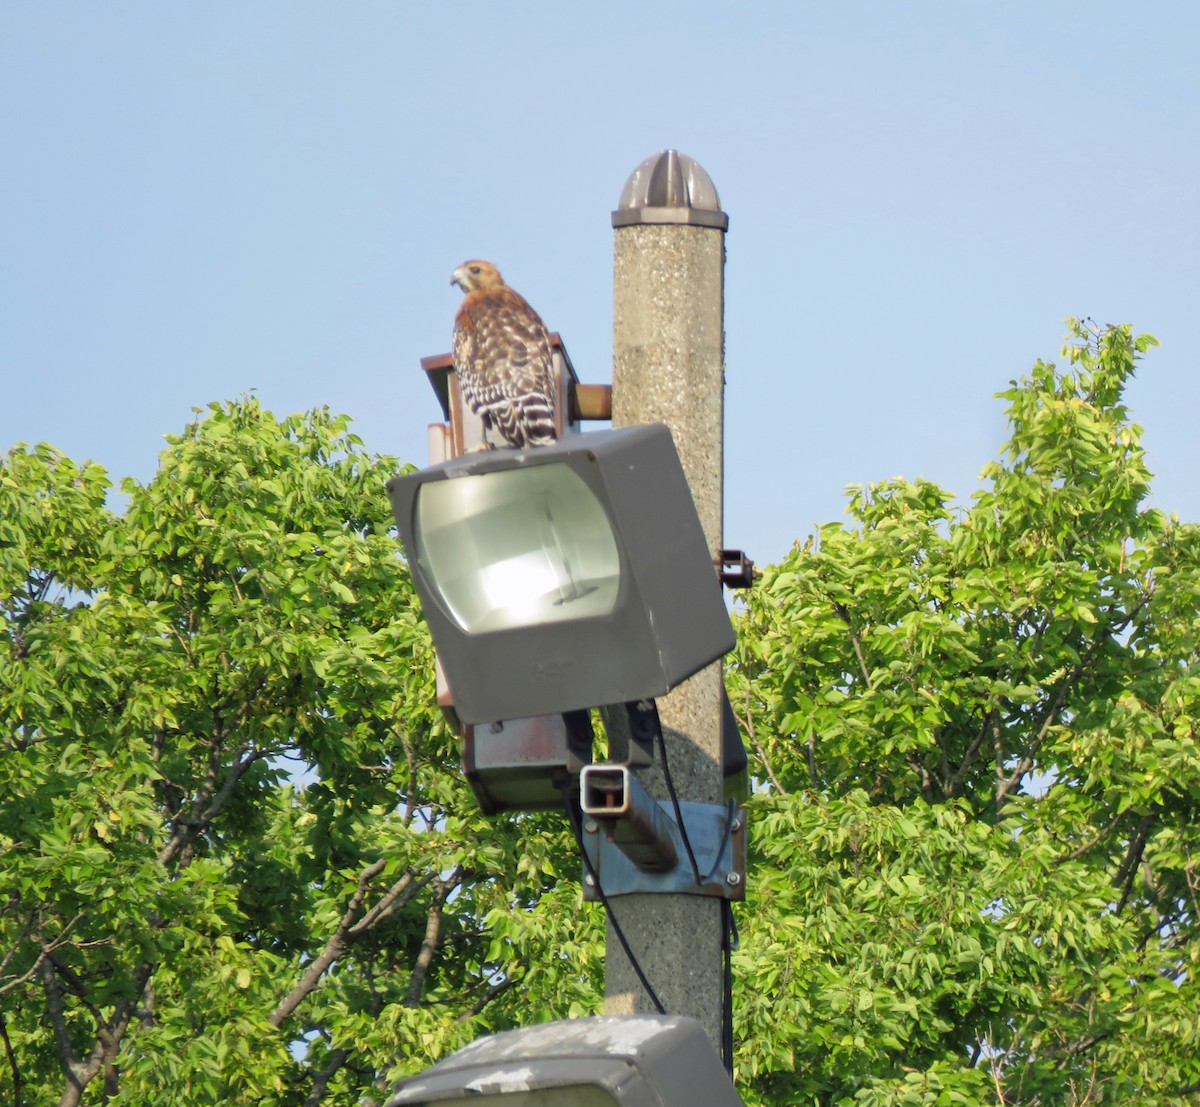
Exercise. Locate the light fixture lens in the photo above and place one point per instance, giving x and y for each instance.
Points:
(516, 548)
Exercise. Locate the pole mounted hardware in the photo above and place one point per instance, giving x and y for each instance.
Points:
(735, 569)
(671, 189)
(634, 843)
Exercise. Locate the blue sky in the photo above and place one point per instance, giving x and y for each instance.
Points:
(203, 199)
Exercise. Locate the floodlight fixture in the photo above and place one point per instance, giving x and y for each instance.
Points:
(564, 577)
(609, 1061)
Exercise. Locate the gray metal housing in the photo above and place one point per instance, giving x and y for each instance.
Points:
(669, 620)
(637, 1060)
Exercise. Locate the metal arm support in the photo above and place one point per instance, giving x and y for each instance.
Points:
(635, 845)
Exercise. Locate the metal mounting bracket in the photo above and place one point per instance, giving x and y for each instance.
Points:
(635, 845)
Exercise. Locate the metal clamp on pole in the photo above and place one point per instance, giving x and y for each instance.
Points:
(635, 845)
(735, 569)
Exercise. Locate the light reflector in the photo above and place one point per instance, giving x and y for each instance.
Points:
(516, 548)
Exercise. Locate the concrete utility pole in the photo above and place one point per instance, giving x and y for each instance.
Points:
(669, 367)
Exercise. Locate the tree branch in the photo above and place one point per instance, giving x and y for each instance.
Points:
(397, 896)
(1075, 854)
(955, 781)
(45, 949)
(337, 1058)
(56, 1010)
(433, 928)
(843, 613)
(923, 775)
(1133, 857)
(747, 724)
(209, 801)
(1004, 786)
(14, 1068)
(348, 930)
(109, 1032)
(1104, 634)
(410, 757)
(492, 992)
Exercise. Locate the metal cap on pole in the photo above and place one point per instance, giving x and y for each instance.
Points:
(667, 188)
(668, 367)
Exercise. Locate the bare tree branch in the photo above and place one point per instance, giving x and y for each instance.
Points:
(747, 724)
(350, 928)
(843, 613)
(1075, 854)
(109, 1032)
(17, 1081)
(954, 782)
(337, 1058)
(433, 929)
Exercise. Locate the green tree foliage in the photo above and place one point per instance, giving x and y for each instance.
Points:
(238, 862)
(977, 849)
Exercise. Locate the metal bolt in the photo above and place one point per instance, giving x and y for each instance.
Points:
(735, 826)
(733, 879)
(589, 880)
(591, 826)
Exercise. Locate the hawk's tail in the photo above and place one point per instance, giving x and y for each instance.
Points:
(526, 422)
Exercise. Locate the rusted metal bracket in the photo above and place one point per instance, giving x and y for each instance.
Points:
(735, 569)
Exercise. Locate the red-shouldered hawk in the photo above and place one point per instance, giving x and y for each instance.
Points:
(502, 358)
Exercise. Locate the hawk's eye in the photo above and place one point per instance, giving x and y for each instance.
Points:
(476, 270)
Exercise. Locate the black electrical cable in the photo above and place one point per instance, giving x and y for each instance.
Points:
(729, 942)
(729, 934)
(729, 931)
(726, 834)
(591, 871)
(687, 845)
